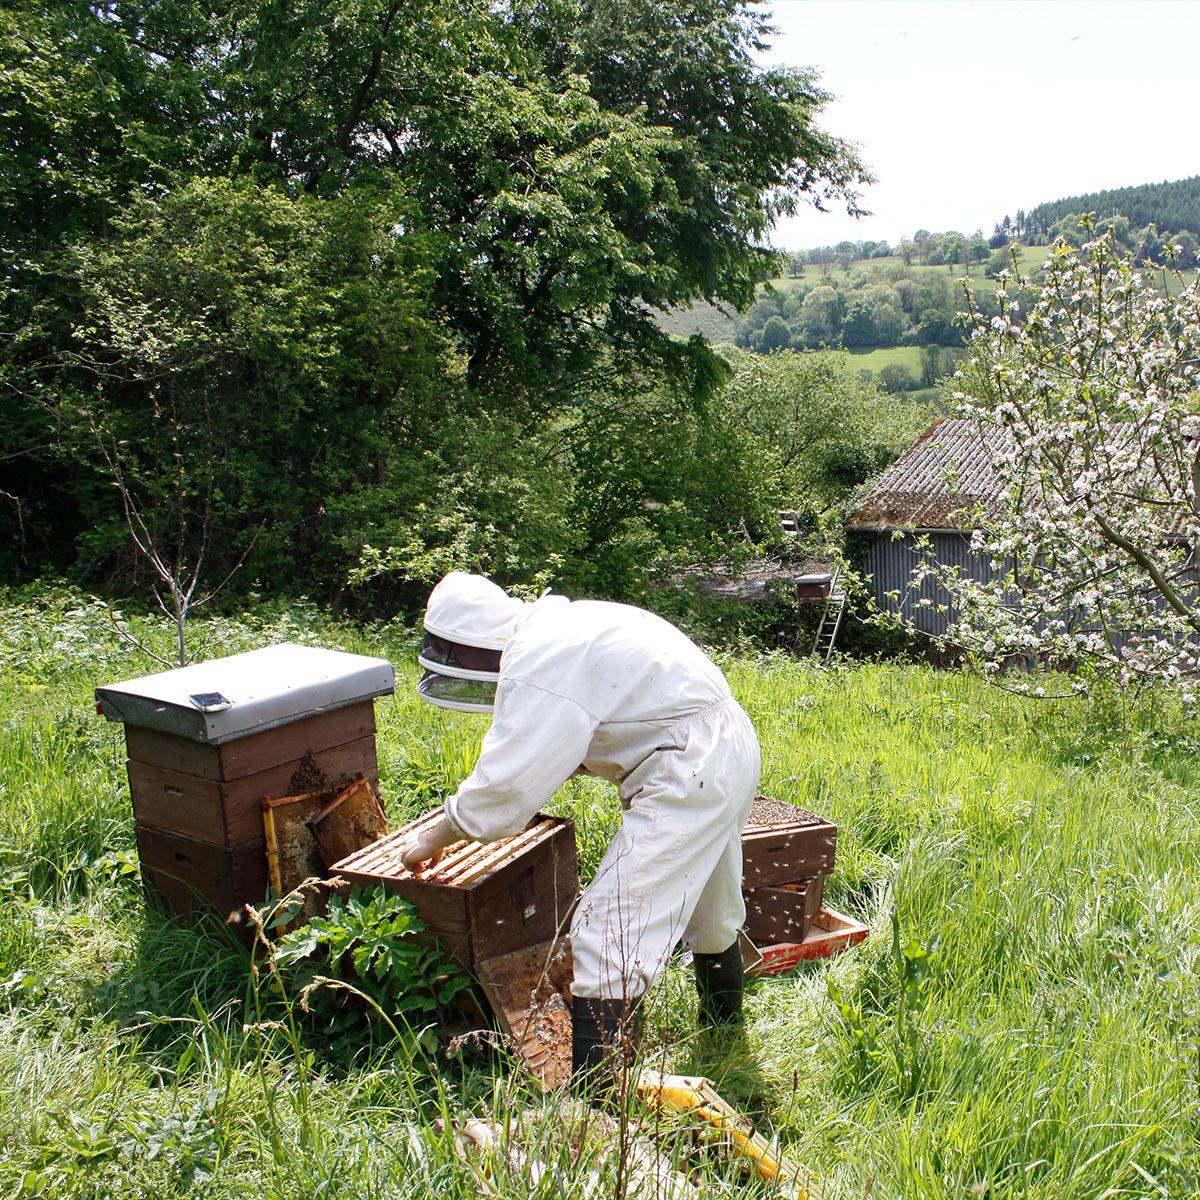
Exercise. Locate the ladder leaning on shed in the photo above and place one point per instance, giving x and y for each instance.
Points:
(831, 620)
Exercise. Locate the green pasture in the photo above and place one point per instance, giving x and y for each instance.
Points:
(1021, 1023)
(879, 357)
(720, 324)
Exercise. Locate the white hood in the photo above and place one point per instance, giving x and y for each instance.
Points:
(473, 611)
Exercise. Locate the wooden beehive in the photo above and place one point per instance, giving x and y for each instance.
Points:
(199, 820)
(784, 913)
(481, 900)
(289, 718)
(786, 854)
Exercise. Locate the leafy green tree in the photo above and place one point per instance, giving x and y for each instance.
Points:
(931, 365)
(895, 377)
(335, 234)
(775, 336)
(817, 429)
(820, 316)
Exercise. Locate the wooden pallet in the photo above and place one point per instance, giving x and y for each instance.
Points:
(831, 933)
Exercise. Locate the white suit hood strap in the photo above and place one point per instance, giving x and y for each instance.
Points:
(472, 611)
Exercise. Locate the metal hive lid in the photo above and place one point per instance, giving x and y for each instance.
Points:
(227, 698)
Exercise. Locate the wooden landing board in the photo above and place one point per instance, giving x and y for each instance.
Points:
(529, 991)
(831, 933)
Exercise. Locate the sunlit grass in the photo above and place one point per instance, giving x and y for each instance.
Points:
(1044, 856)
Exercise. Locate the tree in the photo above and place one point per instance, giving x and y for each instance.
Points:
(493, 201)
(896, 377)
(1089, 407)
(820, 316)
(775, 335)
(816, 429)
(931, 365)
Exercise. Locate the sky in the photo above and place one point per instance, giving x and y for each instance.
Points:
(965, 110)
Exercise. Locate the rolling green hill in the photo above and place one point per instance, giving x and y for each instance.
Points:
(1170, 205)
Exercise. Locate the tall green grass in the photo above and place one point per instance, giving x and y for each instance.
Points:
(1022, 1022)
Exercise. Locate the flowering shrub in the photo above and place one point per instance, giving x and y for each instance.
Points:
(1092, 378)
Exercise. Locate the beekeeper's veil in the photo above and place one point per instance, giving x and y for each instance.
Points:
(465, 610)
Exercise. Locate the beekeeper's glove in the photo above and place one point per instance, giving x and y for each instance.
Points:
(427, 846)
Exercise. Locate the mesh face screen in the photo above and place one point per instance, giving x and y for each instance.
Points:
(463, 695)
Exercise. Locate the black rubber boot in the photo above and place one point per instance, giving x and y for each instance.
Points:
(720, 982)
(601, 1030)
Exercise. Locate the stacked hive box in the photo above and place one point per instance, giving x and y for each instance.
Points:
(208, 743)
(481, 900)
(501, 909)
(786, 854)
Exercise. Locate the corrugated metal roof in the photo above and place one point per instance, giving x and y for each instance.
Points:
(947, 471)
(945, 477)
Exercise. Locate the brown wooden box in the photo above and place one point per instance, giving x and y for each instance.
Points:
(198, 807)
(783, 914)
(481, 900)
(229, 813)
(255, 752)
(774, 854)
(188, 875)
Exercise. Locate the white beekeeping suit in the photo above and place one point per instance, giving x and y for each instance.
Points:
(626, 695)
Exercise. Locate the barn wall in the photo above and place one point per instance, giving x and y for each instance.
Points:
(890, 563)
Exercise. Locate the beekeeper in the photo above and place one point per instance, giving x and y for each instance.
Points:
(619, 693)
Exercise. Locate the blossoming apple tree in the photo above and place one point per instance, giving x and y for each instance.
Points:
(1092, 375)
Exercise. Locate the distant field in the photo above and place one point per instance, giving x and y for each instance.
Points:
(711, 322)
(1029, 257)
(721, 324)
(882, 356)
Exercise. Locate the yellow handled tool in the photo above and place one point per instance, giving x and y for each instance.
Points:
(696, 1096)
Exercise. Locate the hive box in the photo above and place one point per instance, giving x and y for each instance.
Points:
(787, 852)
(784, 913)
(481, 900)
(207, 743)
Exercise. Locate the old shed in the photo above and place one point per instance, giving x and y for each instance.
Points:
(924, 503)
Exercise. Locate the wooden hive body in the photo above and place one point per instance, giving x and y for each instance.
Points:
(198, 807)
(786, 854)
(482, 899)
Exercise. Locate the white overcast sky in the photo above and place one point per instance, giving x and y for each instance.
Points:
(967, 109)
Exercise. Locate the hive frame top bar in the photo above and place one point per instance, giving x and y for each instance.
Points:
(227, 698)
(463, 865)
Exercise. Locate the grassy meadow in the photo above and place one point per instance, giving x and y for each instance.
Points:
(1022, 1022)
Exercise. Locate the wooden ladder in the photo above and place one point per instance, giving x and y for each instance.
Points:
(831, 620)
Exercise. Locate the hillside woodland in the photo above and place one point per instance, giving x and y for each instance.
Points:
(367, 291)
